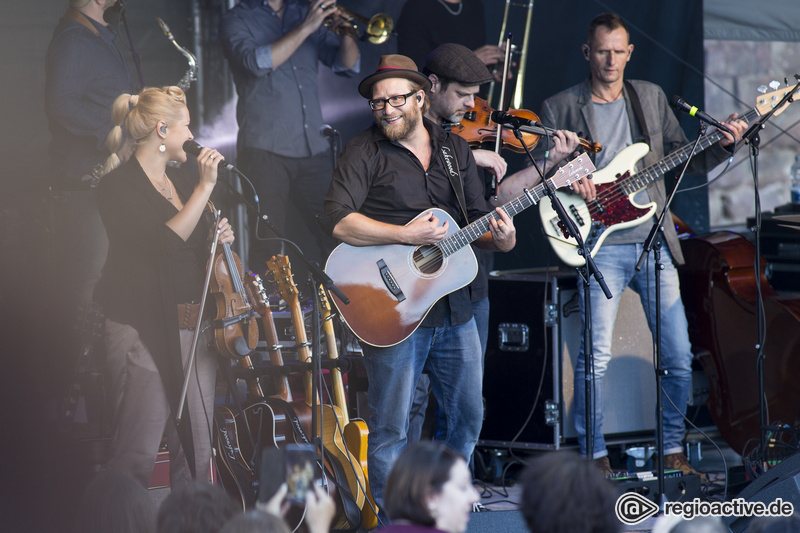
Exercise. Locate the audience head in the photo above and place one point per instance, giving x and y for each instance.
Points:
(198, 507)
(698, 524)
(114, 501)
(255, 522)
(562, 493)
(430, 485)
(775, 524)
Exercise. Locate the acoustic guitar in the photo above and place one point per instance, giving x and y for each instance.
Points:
(392, 287)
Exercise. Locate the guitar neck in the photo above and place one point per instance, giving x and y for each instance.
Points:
(572, 171)
(470, 233)
(339, 397)
(656, 171)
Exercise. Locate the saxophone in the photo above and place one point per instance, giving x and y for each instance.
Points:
(191, 73)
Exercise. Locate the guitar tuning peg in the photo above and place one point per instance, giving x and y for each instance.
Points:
(774, 85)
(762, 89)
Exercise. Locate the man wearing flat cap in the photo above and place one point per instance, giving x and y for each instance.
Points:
(386, 177)
(456, 74)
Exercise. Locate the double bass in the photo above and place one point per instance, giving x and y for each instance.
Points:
(719, 293)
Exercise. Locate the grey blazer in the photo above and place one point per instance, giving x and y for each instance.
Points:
(572, 109)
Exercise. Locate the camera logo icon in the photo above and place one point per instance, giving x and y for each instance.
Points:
(632, 508)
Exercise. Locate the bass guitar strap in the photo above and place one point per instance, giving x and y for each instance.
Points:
(638, 111)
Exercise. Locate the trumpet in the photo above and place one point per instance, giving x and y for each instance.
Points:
(376, 29)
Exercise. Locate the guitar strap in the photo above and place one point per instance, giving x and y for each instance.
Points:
(637, 110)
(451, 167)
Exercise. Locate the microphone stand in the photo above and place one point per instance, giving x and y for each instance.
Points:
(654, 242)
(586, 272)
(136, 61)
(187, 371)
(752, 137)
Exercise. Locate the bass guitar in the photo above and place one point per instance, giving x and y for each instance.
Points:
(392, 287)
(617, 184)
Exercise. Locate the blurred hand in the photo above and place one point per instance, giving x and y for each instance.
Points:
(320, 510)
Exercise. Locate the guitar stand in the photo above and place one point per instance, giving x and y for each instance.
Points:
(654, 242)
(586, 272)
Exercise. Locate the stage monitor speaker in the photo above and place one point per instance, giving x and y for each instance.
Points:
(781, 481)
(534, 337)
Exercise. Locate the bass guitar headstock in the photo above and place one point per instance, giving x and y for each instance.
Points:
(769, 100)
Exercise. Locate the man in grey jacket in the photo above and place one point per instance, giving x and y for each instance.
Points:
(618, 113)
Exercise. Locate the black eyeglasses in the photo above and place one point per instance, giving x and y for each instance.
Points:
(394, 101)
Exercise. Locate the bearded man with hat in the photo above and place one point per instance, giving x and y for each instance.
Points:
(385, 177)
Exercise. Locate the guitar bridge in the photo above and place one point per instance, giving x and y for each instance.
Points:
(390, 282)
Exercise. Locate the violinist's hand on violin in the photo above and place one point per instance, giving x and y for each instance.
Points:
(208, 165)
(492, 161)
(585, 187)
(738, 127)
(564, 144)
(427, 229)
(225, 232)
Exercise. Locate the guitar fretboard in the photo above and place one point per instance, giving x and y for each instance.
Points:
(572, 171)
(655, 171)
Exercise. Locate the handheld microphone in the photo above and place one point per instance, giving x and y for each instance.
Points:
(192, 148)
(501, 117)
(680, 104)
(326, 130)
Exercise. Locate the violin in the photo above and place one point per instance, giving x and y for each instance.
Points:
(477, 127)
(234, 318)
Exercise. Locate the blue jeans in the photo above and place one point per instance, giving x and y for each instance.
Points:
(451, 357)
(617, 263)
(480, 310)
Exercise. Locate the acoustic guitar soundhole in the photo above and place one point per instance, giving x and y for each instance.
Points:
(428, 259)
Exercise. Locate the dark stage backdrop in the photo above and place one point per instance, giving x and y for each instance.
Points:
(667, 36)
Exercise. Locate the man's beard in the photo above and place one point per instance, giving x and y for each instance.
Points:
(400, 130)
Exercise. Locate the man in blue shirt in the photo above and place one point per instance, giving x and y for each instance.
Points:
(274, 48)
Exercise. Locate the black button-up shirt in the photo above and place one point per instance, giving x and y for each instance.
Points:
(385, 181)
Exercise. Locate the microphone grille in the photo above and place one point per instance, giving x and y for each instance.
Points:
(191, 147)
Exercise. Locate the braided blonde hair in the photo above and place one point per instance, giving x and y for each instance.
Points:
(140, 114)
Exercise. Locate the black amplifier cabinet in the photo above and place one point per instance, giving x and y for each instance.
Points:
(521, 385)
(534, 339)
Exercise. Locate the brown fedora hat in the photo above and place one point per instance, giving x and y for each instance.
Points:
(393, 66)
